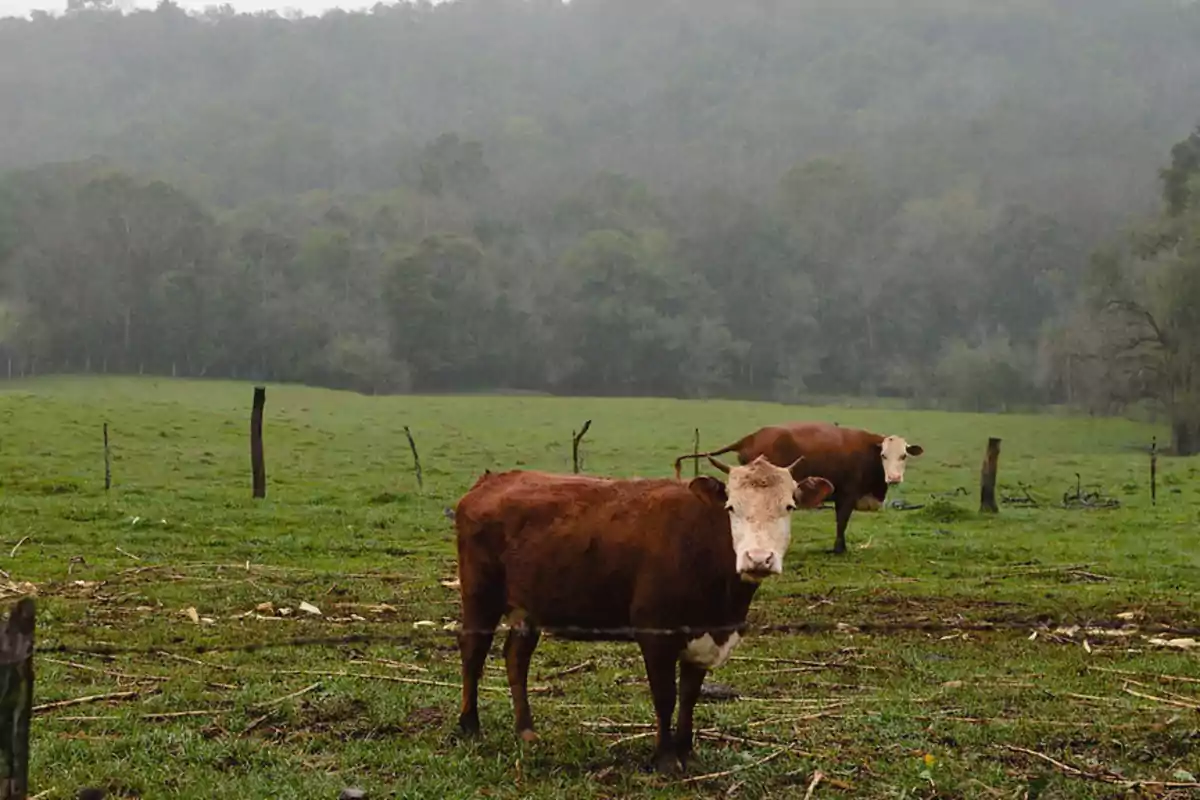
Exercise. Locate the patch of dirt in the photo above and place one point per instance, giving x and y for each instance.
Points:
(423, 719)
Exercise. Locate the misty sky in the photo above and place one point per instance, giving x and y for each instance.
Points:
(21, 8)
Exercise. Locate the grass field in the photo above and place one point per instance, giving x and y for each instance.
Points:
(901, 713)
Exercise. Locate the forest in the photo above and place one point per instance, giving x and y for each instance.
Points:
(984, 205)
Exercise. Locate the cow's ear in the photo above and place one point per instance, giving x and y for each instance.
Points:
(915, 450)
(709, 488)
(811, 492)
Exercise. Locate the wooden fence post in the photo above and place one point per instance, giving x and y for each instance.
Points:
(416, 458)
(1154, 471)
(987, 478)
(696, 455)
(256, 443)
(16, 700)
(576, 438)
(107, 461)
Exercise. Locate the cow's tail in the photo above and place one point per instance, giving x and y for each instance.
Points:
(695, 456)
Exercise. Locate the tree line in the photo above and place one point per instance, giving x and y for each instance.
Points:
(926, 201)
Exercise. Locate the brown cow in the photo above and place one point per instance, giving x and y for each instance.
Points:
(861, 465)
(670, 565)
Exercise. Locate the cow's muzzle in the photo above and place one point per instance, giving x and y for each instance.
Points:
(759, 564)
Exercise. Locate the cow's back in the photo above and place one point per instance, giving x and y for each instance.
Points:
(844, 456)
(587, 552)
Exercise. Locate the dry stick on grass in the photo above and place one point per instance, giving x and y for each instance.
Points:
(1164, 700)
(803, 663)
(1078, 773)
(714, 775)
(829, 713)
(1168, 678)
(13, 552)
(291, 696)
(812, 786)
(254, 723)
(571, 670)
(398, 679)
(158, 716)
(716, 736)
(112, 673)
(387, 662)
(78, 701)
(1169, 693)
(707, 734)
(196, 661)
(128, 554)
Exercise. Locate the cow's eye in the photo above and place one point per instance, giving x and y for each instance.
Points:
(791, 506)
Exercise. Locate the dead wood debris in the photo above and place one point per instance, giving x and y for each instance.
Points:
(1103, 777)
(77, 701)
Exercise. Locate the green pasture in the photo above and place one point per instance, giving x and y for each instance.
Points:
(177, 554)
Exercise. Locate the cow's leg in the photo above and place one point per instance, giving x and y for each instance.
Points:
(518, 650)
(844, 508)
(691, 677)
(482, 609)
(660, 654)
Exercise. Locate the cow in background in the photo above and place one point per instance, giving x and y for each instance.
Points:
(860, 464)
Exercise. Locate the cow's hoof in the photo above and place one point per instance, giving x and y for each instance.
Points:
(468, 728)
(528, 736)
(667, 764)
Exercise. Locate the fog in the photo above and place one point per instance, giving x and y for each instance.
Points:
(935, 201)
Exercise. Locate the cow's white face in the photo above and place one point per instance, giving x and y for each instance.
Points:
(894, 453)
(759, 499)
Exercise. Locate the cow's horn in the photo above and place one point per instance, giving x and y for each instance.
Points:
(723, 467)
(792, 466)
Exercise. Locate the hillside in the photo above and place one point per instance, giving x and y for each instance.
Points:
(759, 199)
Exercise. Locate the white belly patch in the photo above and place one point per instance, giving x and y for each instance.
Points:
(704, 652)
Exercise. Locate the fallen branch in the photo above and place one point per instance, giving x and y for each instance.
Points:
(287, 697)
(1167, 678)
(1078, 773)
(128, 554)
(196, 661)
(112, 673)
(1164, 700)
(713, 775)
(716, 736)
(571, 670)
(254, 723)
(812, 786)
(158, 716)
(78, 701)
(804, 663)
(398, 679)
(387, 662)
(17, 546)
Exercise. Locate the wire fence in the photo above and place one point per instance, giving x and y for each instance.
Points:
(625, 633)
